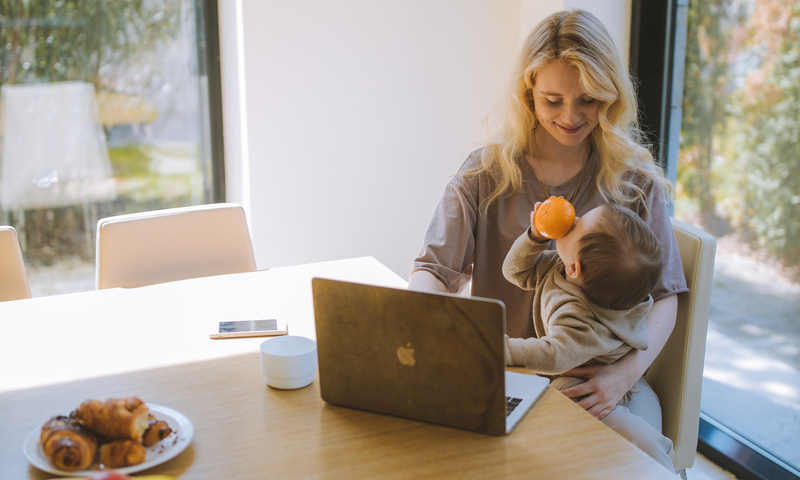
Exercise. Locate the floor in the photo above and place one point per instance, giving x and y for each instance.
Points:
(703, 469)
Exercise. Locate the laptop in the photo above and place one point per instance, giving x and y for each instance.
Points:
(432, 357)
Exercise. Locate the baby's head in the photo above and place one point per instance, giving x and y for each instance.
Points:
(614, 256)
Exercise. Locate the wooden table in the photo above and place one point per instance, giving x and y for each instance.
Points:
(153, 342)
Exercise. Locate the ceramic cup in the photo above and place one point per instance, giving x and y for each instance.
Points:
(288, 361)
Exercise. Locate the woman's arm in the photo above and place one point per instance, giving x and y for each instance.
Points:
(423, 280)
(606, 384)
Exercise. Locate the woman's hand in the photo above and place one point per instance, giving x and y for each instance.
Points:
(605, 385)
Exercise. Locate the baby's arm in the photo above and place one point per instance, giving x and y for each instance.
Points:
(520, 263)
(569, 344)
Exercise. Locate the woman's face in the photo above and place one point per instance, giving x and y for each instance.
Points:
(565, 111)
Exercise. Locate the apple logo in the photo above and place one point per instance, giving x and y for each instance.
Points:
(406, 355)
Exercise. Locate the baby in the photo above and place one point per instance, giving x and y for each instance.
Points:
(592, 293)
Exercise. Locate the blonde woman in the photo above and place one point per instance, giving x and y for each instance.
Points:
(570, 128)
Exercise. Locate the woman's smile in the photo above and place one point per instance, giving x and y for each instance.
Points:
(570, 130)
(562, 106)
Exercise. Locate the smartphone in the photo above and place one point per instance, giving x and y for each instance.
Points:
(250, 328)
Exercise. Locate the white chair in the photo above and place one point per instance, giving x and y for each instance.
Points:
(54, 151)
(173, 244)
(13, 276)
(677, 373)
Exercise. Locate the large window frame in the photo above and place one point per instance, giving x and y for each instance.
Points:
(211, 68)
(658, 45)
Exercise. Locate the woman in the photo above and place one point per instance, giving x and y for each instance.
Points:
(570, 129)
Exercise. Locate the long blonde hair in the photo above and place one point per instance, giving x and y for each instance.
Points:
(580, 39)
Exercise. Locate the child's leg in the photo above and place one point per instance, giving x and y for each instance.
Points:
(645, 404)
(640, 423)
(638, 419)
(641, 434)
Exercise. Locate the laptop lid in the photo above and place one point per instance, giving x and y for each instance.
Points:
(437, 358)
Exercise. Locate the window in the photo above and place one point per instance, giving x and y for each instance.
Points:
(106, 108)
(737, 173)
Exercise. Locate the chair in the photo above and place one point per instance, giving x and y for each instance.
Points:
(677, 373)
(54, 151)
(13, 277)
(173, 244)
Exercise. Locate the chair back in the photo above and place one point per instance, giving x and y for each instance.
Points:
(173, 244)
(677, 373)
(54, 150)
(13, 276)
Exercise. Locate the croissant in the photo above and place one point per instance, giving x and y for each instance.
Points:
(116, 418)
(157, 430)
(122, 453)
(67, 444)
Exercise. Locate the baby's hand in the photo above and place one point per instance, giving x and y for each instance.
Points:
(534, 234)
(508, 352)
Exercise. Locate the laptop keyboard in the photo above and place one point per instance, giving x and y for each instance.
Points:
(511, 404)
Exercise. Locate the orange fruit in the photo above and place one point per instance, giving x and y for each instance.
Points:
(554, 217)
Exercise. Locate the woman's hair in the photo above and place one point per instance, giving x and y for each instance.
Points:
(578, 38)
(620, 259)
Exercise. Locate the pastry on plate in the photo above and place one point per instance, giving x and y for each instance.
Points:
(67, 444)
(122, 453)
(115, 418)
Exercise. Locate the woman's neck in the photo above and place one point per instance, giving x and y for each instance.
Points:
(554, 163)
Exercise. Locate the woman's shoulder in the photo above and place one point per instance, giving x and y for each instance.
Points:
(472, 170)
(473, 162)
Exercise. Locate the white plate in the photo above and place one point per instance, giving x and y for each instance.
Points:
(166, 449)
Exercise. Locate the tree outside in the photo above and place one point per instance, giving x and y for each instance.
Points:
(739, 179)
(739, 171)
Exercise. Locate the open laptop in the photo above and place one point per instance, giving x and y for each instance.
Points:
(432, 357)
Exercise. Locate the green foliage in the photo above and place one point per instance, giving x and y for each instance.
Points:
(59, 40)
(707, 78)
(770, 154)
(129, 161)
(740, 139)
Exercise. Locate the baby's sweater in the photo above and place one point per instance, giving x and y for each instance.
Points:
(572, 330)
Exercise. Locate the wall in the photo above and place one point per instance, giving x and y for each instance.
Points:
(615, 15)
(357, 114)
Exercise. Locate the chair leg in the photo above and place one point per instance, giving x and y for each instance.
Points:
(682, 474)
(22, 231)
(90, 226)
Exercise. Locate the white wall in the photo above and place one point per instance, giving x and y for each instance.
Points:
(357, 114)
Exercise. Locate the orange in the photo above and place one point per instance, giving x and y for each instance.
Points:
(554, 217)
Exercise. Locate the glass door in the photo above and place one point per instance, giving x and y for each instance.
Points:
(739, 179)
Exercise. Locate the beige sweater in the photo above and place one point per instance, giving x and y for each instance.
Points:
(572, 331)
